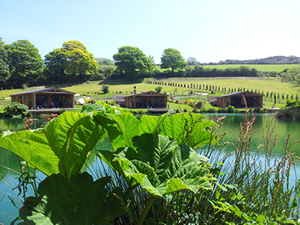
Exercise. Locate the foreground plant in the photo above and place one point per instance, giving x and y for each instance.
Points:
(60, 151)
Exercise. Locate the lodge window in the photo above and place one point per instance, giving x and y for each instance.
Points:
(25, 98)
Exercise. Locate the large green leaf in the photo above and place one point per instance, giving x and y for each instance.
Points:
(120, 128)
(151, 124)
(62, 146)
(72, 136)
(33, 147)
(188, 128)
(160, 165)
(80, 201)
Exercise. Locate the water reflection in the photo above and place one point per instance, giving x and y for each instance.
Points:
(282, 128)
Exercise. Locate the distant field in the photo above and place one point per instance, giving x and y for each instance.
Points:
(271, 85)
(259, 67)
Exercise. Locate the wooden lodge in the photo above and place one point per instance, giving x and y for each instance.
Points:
(148, 99)
(237, 100)
(47, 98)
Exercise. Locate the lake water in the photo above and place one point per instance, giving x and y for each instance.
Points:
(231, 124)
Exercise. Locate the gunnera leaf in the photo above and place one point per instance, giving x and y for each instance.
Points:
(72, 136)
(80, 201)
(160, 165)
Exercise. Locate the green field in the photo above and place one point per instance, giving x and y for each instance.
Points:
(121, 87)
(271, 85)
(259, 67)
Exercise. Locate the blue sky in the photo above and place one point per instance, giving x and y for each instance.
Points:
(210, 31)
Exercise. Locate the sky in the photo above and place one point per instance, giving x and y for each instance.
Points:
(208, 30)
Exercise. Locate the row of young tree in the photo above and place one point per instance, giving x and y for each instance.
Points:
(225, 90)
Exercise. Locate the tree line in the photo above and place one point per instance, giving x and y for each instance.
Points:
(21, 64)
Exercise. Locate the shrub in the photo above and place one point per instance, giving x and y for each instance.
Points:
(257, 110)
(199, 105)
(15, 108)
(105, 88)
(158, 89)
(230, 109)
(211, 110)
(222, 110)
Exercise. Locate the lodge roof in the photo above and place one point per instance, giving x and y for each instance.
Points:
(245, 93)
(51, 90)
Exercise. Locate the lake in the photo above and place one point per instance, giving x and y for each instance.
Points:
(231, 124)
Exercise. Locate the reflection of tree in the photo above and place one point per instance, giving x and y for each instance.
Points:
(8, 164)
(12, 124)
(17, 124)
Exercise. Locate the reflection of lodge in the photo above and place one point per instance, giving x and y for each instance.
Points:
(45, 98)
(237, 100)
(148, 99)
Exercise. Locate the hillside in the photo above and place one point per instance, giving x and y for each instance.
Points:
(268, 60)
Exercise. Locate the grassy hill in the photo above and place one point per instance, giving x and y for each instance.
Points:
(259, 67)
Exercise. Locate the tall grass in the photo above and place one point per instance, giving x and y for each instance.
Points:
(253, 185)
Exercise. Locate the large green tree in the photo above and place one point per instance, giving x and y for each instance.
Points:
(72, 59)
(171, 58)
(131, 61)
(4, 70)
(24, 61)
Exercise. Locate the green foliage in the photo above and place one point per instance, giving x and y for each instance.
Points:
(104, 61)
(156, 176)
(105, 89)
(62, 147)
(292, 104)
(230, 109)
(103, 107)
(159, 165)
(4, 70)
(131, 61)
(106, 70)
(291, 110)
(72, 59)
(80, 201)
(24, 61)
(15, 108)
(191, 61)
(292, 75)
(171, 58)
(158, 89)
